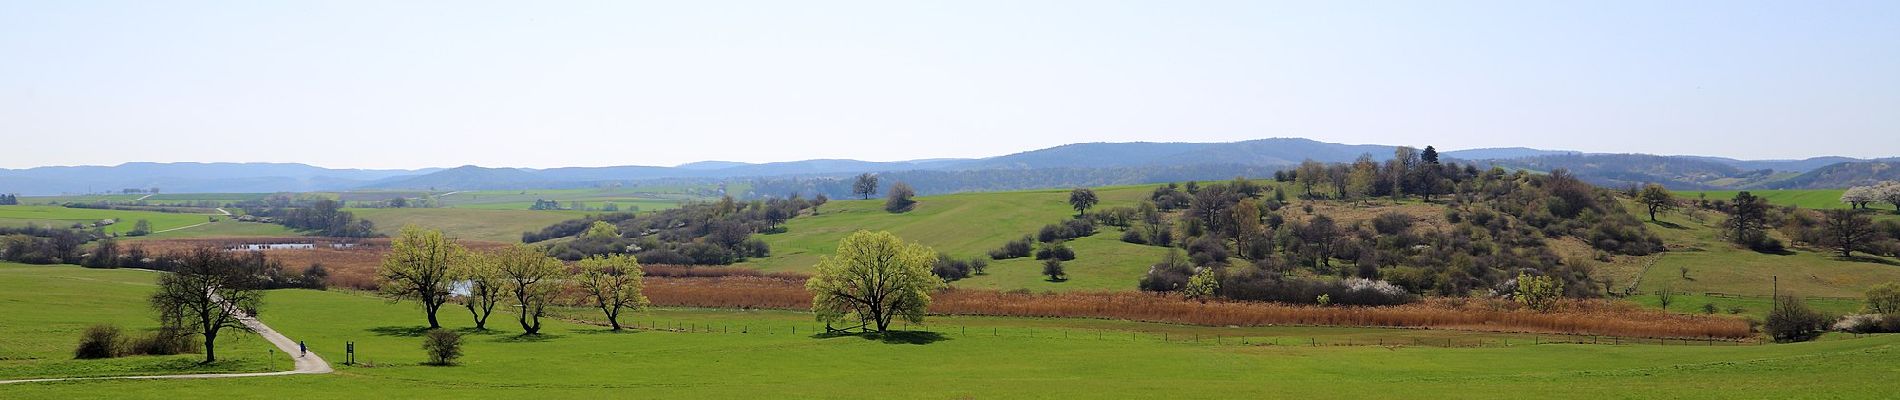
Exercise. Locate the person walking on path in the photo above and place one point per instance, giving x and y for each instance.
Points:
(302, 348)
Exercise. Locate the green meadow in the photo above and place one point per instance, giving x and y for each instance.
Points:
(1805, 198)
(465, 223)
(164, 225)
(46, 307)
(966, 225)
(736, 353)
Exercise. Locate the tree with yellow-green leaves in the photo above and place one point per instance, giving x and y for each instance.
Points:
(1538, 292)
(876, 278)
(420, 266)
(612, 283)
(531, 277)
(485, 285)
(602, 230)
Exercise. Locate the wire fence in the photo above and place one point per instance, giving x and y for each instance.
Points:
(1439, 338)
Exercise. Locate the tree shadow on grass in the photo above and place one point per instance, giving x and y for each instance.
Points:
(889, 337)
(480, 332)
(1875, 260)
(525, 338)
(408, 331)
(1670, 225)
(606, 331)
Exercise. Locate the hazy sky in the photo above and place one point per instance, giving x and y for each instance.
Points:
(538, 84)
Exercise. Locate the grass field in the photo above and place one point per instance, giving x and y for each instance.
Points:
(1716, 266)
(975, 357)
(463, 223)
(647, 198)
(46, 307)
(970, 225)
(162, 223)
(1806, 198)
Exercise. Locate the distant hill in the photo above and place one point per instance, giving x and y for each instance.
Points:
(190, 177)
(1263, 152)
(469, 177)
(1080, 164)
(1840, 175)
(1498, 153)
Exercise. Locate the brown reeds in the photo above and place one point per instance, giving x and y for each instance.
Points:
(1587, 317)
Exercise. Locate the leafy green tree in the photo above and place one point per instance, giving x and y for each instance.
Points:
(1202, 285)
(1081, 199)
(1747, 221)
(602, 230)
(1538, 292)
(419, 266)
(1884, 299)
(485, 286)
(530, 275)
(613, 284)
(141, 228)
(876, 278)
(1657, 199)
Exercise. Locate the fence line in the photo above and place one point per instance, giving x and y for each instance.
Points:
(1514, 340)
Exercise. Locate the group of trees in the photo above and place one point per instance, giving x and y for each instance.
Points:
(321, 216)
(1841, 231)
(1409, 172)
(1859, 197)
(1499, 224)
(34, 244)
(9, 199)
(698, 233)
(434, 271)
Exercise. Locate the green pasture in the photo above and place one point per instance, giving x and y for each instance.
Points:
(737, 353)
(43, 309)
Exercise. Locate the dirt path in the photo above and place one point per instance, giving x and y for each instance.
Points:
(307, 364)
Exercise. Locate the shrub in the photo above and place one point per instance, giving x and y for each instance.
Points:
(443, 346)
(1053, 268)
(98, 341)
(1884, 299)
(1071, 229)
(1133, 236)
(1391, 223)
(163, 342)
(1055, 251)
(950, 269)
(1169, 275)
(1793, 321)
(1014, 249)
(1869, 323)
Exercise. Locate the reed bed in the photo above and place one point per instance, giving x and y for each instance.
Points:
(1585, 317)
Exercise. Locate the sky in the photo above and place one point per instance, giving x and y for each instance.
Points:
(409, 84)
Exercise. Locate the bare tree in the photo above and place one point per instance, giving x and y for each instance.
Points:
(1847, 230)
(210, 290)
